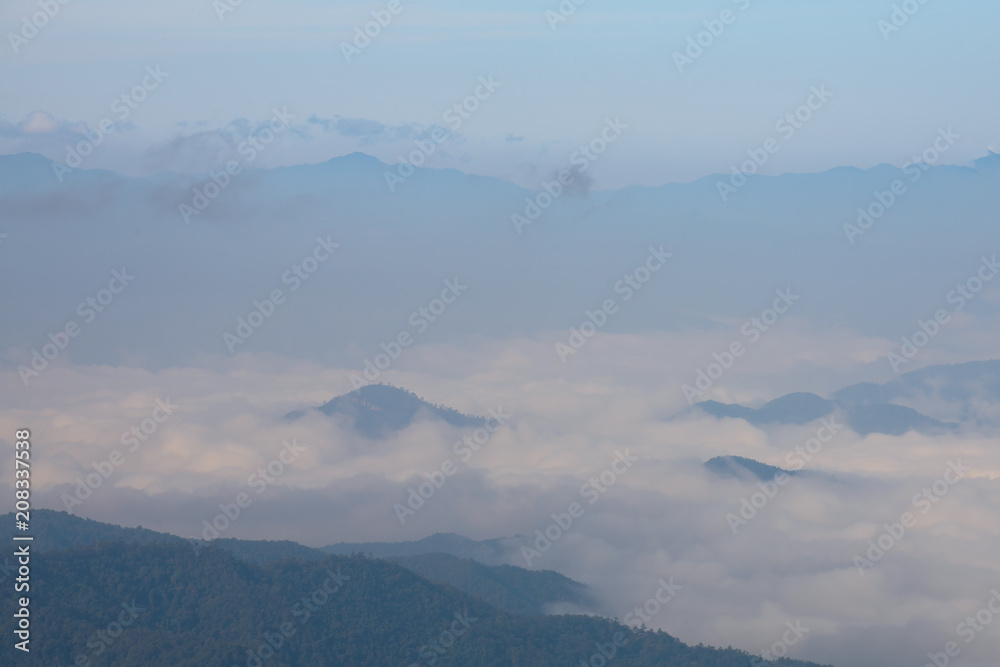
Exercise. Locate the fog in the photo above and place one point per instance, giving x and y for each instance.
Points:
(663, 517)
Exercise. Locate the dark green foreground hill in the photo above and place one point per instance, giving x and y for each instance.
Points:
(180, 607)
(512, 589)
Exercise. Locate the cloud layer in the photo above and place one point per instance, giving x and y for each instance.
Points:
(665, 516)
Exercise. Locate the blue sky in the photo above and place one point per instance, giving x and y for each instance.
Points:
(558, 86)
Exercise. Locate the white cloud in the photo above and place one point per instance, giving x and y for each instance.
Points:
(664, 518)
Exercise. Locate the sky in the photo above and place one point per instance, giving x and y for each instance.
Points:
(560, 76)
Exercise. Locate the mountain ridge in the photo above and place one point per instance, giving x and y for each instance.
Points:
(990, 160)
(207, 606)
(378, 409)
(867, 407)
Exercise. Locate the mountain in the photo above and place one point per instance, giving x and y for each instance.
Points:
(266, 551)
(867, 407)
(378, 409)
(889, 419)
(990, 161)
(510, 588)
(797, 408)
(506, 587)
(489, 552)
(744, 468)
(402, 245)
(164, 603)
(54, 529)
(886, 419)
(975, 380)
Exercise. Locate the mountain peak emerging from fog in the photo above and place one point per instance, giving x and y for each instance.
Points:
(378, 409)
(796, 408)
(743, 468)
(869, 408)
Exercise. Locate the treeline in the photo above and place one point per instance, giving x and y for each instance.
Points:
(163, 604)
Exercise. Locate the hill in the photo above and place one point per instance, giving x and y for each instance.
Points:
(161, 604)
(378, 409)
(506, 587)
(489, 552)
(962, 389)
(744, 468)
(779, 226)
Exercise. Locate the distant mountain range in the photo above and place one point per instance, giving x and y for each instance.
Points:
(401, 246)
(378, 409)
(233, 602)
(869, 408)
(963, 384)
(802, 408)
(797, 408)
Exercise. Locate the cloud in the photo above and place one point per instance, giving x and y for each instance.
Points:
(41, 127)
(39, 122)
(350, 127)
(41, 132)
(371, 131)
(204, 149)
(664, 517)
